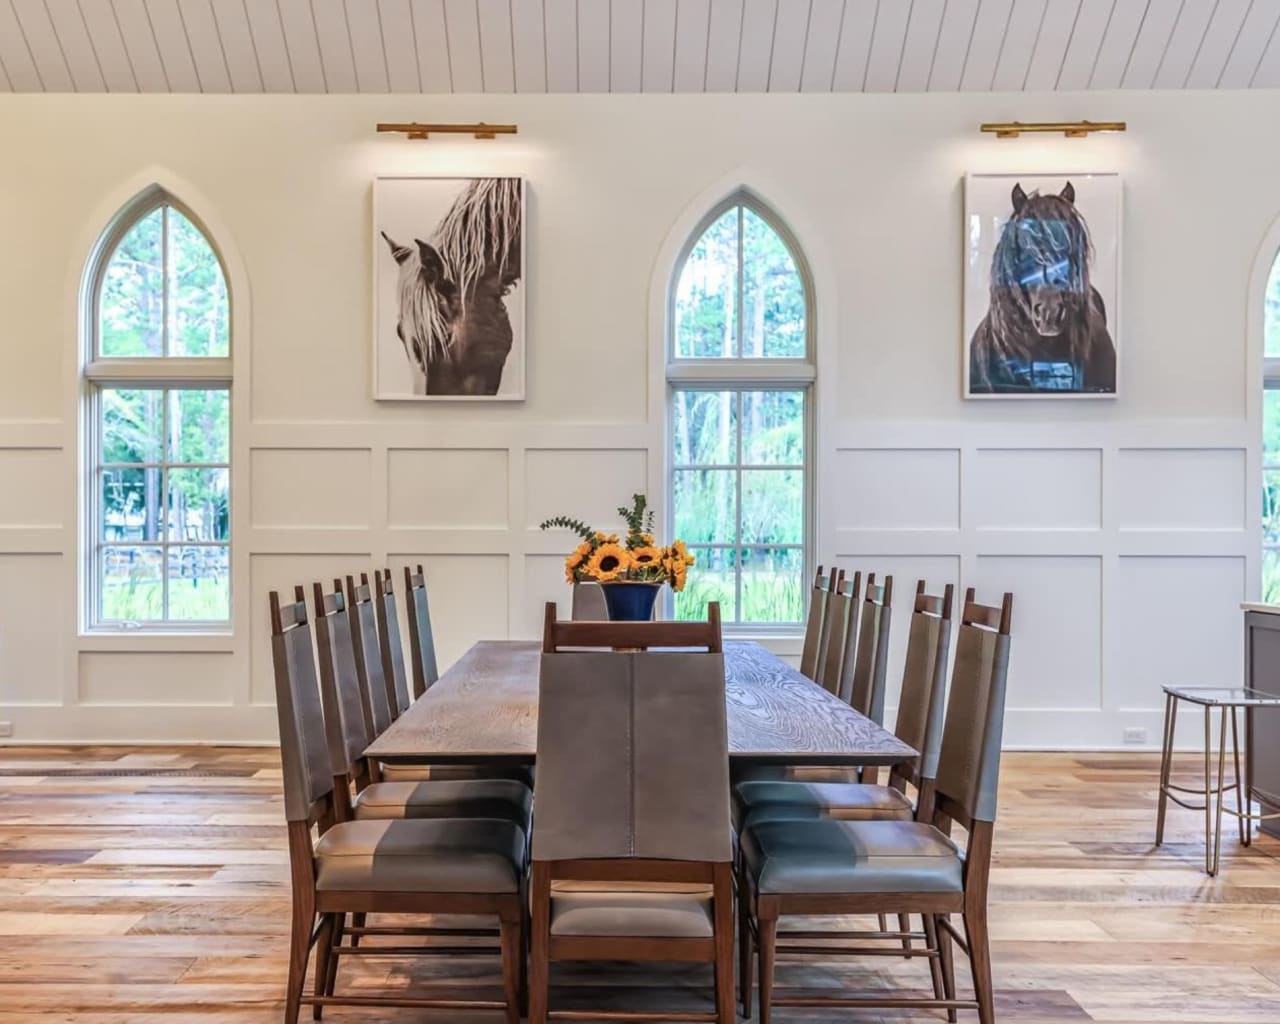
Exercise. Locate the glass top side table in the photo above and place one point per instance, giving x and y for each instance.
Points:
(1228, 700)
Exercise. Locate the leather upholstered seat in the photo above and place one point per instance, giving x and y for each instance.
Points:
(454, 772)
(478, 855)
(631, 912)
(504, 799)
(826, 856)
(776, 801)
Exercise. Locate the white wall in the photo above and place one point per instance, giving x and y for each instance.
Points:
(1127, 529)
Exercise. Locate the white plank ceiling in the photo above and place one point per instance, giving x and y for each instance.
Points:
(592, 46)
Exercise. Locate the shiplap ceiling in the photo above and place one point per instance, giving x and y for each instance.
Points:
(504, 46)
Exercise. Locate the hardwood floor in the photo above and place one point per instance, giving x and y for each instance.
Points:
(141, 885)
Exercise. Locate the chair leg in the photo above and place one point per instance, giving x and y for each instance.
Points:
(1244, 803)
(946, 964)
(746, 953)
(904, 925)
(357, 921)
(299, 950)
(539, 978)
(975, 928)
(324, 953)
(768, 950)
(512, 955)
(723, 924)
(1166, 764)
(339, 929)
(935, 966)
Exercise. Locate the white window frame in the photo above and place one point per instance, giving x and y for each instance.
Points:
(741, 374)
(170, 373)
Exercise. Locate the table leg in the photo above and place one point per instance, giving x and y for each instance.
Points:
(1166, 760)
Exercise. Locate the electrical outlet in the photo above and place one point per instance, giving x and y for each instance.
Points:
(6, 729)
(1135, 734)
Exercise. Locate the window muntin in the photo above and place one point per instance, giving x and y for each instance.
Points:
(158, 409)
(740, 409)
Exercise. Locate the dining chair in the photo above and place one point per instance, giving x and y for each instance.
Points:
(632, 857)
(828, 867)
(813, 625)
(824, 629)
(348, 735)
(364, 641)
(390, 648)
(587, 603)
(842, 608)
(866, 664)
(442, 866)
(422, 643)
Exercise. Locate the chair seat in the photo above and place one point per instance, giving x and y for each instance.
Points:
(448, 855)
(475, 798)
(454, 772)
(797, 773)
(757, 802)
(827, 856)
(633, 913)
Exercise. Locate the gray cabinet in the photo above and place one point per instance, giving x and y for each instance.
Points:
(1262, 725)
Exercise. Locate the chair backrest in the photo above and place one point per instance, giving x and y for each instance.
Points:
(824, 632)
(389, 644)
(587, 603)
(813, 626)
(632, 635)
(304, 756)
(348, 730)
(843, 611)
(633, 754)
(924, 682)
(364, 637)
(866, 663)
(969, 762)
(422, 643)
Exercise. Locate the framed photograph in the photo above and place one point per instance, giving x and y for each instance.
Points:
(1041, 285)
(448, 289)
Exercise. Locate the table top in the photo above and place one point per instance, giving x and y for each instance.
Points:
(486, 708)
(1226, 696)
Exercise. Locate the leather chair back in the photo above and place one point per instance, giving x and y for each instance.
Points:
(813, 626)
(924, 679)
(348, 729)
(633, 757)
(863, 687)
(969, 762)
(422, 643)
(824, 632)
(364, 638)
(588, 603)
(304, 755)
(842, 608)
(389, 645)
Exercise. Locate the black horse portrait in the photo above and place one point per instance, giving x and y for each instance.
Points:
(1045, 331)
(453, 318)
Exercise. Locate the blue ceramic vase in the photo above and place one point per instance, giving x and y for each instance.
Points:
(628, 601)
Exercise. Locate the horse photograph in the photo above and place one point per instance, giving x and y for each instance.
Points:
(1041, 290)
(449, 317)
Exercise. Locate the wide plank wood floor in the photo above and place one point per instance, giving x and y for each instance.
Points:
(148, 885)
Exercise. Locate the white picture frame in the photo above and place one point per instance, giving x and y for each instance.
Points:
(455, 301)
(1038, 325)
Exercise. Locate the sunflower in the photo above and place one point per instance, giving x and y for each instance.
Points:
(608, 562)
(606, 538)
(647, 557)
(574, 562)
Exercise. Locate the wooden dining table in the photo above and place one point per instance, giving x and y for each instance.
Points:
(485, 708)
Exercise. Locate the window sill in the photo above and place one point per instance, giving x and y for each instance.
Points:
(122, 641)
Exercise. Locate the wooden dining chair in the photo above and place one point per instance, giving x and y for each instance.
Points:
(422, 643)
(843, 607)
(824, 629)
(827, 867)
(442, 866)
(632, 858)
(390, 648)
(364, 641)
(813, 626)
(862, 679)
(348, 735)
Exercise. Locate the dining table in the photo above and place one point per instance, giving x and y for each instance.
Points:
(485, 708)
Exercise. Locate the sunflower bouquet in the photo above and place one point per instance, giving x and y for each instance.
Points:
(607, 558)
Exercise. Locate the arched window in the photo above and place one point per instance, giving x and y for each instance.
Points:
(740, 372)
(158, 424)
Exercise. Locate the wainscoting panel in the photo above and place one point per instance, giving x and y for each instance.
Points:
(902, 489)
(543, 581)
(467, 595)
(32, 487)
(1036, 489)
(311, 488)
(33, 615)
(447, 488)
(585, 483)
(154, 679)
(1181, 489)
(1176, 621)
